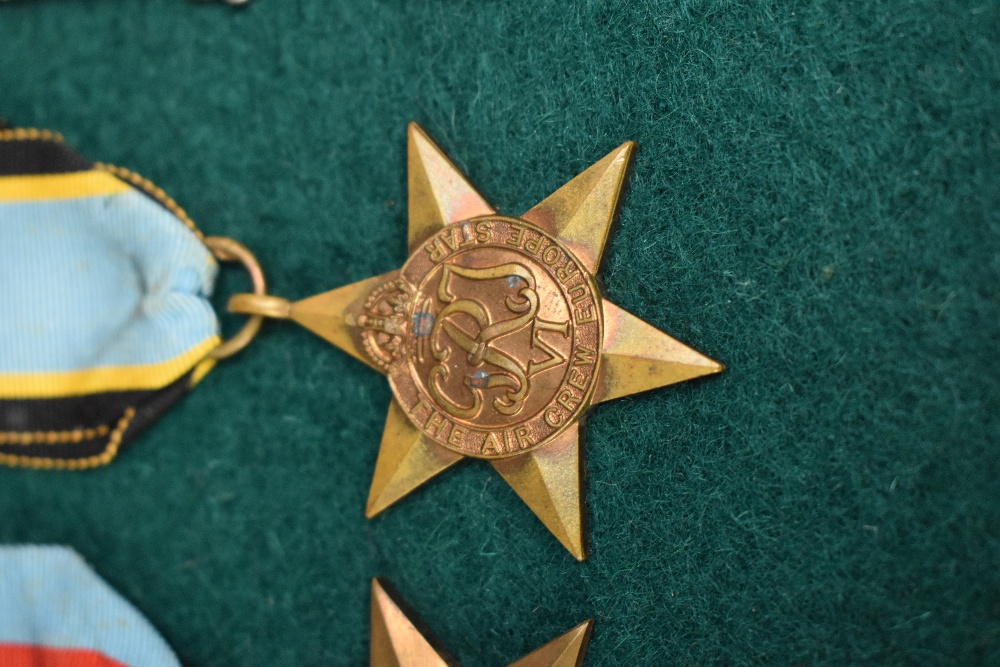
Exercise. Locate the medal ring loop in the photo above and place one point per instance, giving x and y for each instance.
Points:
(227, 250)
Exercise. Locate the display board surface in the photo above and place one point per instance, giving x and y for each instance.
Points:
(816, 203)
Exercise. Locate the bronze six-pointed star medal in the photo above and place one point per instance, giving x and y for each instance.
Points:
(496, 339)
(397, 639)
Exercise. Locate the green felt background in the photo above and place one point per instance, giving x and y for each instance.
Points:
(815, 203)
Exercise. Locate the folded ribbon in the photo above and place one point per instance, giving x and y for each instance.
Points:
(104, 314)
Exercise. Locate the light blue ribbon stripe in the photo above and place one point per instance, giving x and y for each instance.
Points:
(101, 281)
(50, 597)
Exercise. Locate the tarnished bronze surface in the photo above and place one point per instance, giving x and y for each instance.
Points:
(398, 640)
(495, 338)
(503, 335)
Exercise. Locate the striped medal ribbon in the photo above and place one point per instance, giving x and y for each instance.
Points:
(56, 612)
(105, 320)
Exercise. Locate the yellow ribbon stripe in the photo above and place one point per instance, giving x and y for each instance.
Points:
(57, 384)
(59, 186)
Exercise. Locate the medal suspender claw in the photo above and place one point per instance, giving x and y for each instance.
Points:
(494, 335)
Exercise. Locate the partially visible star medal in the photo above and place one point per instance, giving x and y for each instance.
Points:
(398, 641)
(496, 339)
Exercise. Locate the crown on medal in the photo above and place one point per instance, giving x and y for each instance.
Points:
(383, 321)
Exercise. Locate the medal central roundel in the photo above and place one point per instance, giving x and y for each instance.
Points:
(502, 338)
